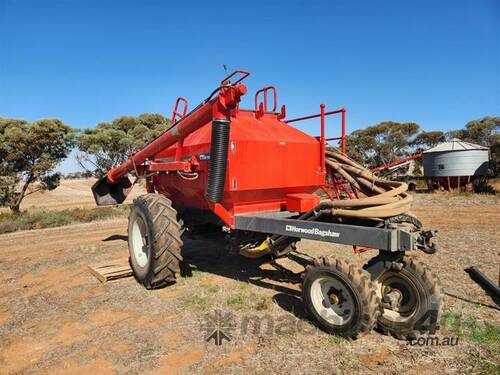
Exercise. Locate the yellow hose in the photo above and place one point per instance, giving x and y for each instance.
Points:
(256, 251)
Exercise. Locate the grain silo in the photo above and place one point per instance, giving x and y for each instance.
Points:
(455, 164)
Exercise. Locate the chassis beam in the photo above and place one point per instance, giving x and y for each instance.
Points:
(277, 223)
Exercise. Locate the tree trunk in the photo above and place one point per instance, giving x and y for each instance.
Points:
(15, 207)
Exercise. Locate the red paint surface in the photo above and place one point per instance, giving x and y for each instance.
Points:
(271, 165)
(267, 160)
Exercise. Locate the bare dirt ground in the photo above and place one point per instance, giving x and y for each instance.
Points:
(56, 318)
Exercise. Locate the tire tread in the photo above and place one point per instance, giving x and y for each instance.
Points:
(167, 242)
(361, 281)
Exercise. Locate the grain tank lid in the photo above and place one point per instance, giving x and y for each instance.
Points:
(455, 144)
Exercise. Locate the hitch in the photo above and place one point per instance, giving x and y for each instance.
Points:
(425, 243)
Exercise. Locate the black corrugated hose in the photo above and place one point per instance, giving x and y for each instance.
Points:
(218, 160)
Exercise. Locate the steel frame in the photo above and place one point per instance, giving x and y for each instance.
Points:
(282, 223)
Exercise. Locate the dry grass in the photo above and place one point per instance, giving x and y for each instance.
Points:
(39, 219)
(495, 183)
(55, 317)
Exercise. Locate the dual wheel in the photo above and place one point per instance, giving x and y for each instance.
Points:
(403, 301)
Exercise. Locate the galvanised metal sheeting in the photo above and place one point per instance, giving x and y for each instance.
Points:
(456, 158)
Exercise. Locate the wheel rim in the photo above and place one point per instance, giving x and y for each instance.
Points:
(399, 296)
(332, 300)
(139, 241)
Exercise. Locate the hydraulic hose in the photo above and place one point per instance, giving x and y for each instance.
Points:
(382, 199)
(218, 160)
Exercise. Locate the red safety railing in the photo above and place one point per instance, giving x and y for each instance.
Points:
(176, 113)
(244, 74)
(338, 186)
(264, 91)
(322, 115)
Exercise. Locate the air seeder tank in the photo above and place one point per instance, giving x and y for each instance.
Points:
(266, 161)
(226, 160)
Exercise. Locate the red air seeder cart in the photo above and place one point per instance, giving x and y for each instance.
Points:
(268, 184)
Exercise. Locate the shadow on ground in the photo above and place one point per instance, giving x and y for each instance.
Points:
(210, 253)
(115, 237)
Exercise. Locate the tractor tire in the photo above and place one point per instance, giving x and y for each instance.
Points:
(154, 241)
(340, 297)
(419, 300)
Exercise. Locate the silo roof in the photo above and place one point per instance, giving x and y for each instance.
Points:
(455, 144)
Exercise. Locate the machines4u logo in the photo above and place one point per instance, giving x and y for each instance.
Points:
(218, 326)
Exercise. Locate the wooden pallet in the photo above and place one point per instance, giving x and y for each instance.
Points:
(108, 272)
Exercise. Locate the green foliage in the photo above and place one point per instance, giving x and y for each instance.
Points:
(29, 153)
(484, 132)
(381, 143)
(333, 340)
(78, 175)
(12, 222)
(199, 301)
(485, 333)
(425, 140)
(236, 300)
(8, 186)
(110, 143)
(390, 141)
(213, 288)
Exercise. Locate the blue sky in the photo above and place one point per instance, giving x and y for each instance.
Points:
(436, 63)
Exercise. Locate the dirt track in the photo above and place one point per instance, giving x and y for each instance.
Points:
(57, 318)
